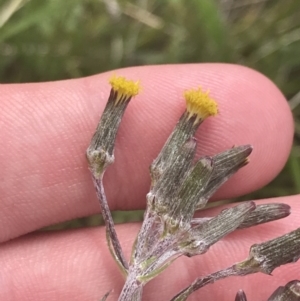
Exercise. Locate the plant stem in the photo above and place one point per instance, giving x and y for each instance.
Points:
(110, 227)
(132, 289)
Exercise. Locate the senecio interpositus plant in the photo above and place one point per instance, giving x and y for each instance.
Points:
(179, 187)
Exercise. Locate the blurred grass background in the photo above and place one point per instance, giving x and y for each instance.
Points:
(55, 39)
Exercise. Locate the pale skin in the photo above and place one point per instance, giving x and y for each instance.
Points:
(45, 130)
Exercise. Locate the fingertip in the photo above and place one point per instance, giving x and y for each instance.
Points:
(51, 124)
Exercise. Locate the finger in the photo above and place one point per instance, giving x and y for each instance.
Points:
(47, 127)
(76, 265)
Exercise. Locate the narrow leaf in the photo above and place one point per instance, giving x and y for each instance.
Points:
(208, 233)
(266, 213)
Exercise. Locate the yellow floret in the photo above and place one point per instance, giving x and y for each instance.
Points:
(124, 88)
(200, 104)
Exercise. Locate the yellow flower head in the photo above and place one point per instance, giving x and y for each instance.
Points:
(124, 88)
(200, 104)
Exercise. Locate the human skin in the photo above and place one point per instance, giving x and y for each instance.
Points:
(45, 130)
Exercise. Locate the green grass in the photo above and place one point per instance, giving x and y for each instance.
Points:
(54, 39)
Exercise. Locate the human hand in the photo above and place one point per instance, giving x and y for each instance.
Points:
(45, 130)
